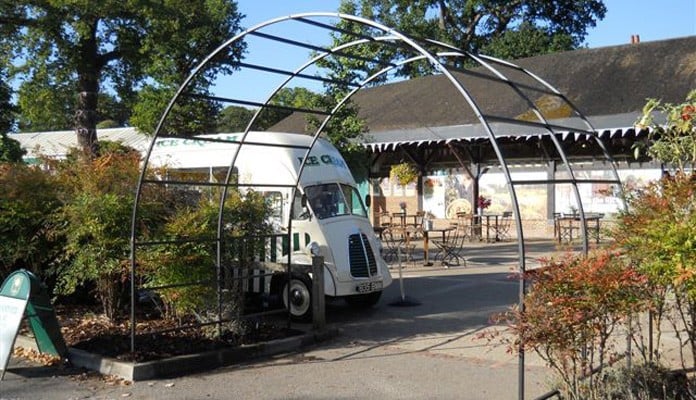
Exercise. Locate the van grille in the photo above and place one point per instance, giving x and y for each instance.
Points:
(361, 257)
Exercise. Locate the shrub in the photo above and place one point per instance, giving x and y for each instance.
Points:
(573, 306)
(95, 220)
(187, 266)
(29, 197)
(658, 233)
(643, 381)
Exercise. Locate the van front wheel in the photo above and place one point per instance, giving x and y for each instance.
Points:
(363, 300)
(298, 295)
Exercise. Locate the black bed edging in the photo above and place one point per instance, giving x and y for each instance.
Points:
(181, 365)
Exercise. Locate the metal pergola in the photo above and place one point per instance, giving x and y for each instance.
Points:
(440, 58)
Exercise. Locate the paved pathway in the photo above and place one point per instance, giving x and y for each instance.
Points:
(429, 351)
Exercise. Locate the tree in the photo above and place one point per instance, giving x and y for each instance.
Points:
(673, 142)
(235, 118)
(47, 102)
(116, 45)
(10, 149)
(7, 110)
(509, 29)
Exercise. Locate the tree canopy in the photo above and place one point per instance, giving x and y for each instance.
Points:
(10, 149)
(236, 118)
(67, 52)
(506, 29)
(7, 110)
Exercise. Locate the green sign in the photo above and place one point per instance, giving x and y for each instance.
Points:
(21, 293)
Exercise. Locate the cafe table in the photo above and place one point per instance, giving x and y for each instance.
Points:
(426, 239)
(567, 224)
(492, 221)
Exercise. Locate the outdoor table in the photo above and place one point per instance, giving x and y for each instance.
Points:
(403, 218)
(426, 234)
(496, 219)
(567, 224)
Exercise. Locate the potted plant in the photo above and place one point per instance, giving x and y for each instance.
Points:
(483, 203)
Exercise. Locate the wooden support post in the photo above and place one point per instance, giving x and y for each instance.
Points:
(318, 305)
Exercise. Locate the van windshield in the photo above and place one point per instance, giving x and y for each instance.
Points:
(334, 199)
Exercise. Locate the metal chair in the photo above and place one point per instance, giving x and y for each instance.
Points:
(394, 246)
(450, 250)
(502, 230)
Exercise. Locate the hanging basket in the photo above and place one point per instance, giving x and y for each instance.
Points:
(403, 173)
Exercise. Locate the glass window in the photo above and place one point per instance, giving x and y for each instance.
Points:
(299, 212)
(331, 200)
(352, 197)
(274, 200)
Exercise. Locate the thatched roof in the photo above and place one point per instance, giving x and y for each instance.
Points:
(606, 81)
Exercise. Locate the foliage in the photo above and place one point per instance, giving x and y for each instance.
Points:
(526, 41)
(657, 233)
(108, 45)
(403, 173)
(97, 197)
(189, 267)
(643, 381)
(344, 128)
(7, 110)
(504, 29)
(188, 117)
(10, 149)
(47, 102)
(29, 197)
(573, 306)
(236, 118)
(673, 142)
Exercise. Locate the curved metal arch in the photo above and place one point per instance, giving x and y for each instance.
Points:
(422, 54)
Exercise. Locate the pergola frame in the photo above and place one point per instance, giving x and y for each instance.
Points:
(437, 55)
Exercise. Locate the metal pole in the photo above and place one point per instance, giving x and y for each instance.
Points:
(318, 305)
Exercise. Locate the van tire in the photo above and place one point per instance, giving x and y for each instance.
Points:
(300, 288)
(363, 300)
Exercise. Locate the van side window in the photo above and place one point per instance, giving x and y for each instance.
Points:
(274, 200)
(299, 212)
(354, 200)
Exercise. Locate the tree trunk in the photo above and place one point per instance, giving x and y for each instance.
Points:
(89, 71)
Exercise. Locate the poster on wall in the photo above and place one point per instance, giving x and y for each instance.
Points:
(409, 190)
(457, 195)
(385, 187)
(434, 196)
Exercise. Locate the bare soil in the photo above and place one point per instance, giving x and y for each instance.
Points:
(85, 328)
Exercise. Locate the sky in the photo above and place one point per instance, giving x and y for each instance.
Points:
(650, 19)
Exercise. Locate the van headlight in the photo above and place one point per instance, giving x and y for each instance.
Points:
(313, 249)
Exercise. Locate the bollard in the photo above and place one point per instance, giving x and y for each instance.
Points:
(318, 305)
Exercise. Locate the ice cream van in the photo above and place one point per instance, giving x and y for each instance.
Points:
(328, 214)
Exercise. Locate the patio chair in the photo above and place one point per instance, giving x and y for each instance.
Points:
(450, 250)
(502, 230)
(567, 228)
(394, 245)
(465, 222)
(418, 224)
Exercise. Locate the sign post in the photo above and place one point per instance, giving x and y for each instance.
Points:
(22, 292)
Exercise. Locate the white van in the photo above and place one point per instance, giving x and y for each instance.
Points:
(328, 212)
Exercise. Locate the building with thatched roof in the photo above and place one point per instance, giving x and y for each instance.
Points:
(426, 121)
